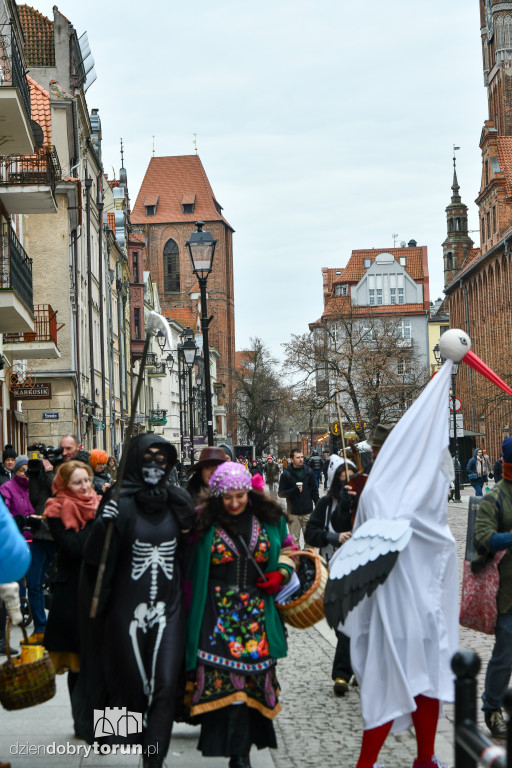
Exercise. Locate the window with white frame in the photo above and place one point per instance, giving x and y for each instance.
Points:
(392, 295)
(400, 295)
(371, 295)
(341, 290)
(404, 329)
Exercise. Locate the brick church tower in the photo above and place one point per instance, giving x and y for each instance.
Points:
(175, 193)
(458, 243)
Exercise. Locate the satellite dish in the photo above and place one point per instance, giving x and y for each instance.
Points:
(402, 244)
(38, 133)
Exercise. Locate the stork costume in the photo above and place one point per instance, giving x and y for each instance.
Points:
(393, 586)
(141, 604)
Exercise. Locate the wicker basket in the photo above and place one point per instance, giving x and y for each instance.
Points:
(25, 685)
(309, 607)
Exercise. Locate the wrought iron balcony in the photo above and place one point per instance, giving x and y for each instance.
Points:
(27, 182)
(15, 130)
(158, 369)
(39, 344)
(15, 284)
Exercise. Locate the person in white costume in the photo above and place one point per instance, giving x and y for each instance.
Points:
(403, 621)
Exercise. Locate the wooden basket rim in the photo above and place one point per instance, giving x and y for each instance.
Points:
(316, 582)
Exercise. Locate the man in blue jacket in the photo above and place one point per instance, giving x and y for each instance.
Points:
(298, 486)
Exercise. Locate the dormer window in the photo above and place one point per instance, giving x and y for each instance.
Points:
(341, 290)
(367, 263)
(188, 203)
(402, 260)
(151, 204)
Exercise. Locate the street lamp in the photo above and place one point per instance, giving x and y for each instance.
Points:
(169, 361)
(455, 368)
(161, 339)
(201, 248)
(189, 350)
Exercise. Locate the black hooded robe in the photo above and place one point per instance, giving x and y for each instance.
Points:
(135, 646)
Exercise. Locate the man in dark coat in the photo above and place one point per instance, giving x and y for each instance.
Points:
(316, 464)
(298, 486)
(6, 469)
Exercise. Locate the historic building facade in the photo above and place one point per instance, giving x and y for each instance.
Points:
(478, 280)
(175, 193)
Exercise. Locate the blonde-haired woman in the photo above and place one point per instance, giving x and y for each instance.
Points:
(70, 514)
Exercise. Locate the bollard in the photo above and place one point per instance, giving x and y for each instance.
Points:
(471, 746)
(507, 703)
(466, 665)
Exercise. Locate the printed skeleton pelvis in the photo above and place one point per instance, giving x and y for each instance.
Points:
(149, 615)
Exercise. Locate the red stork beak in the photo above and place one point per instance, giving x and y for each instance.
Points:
(478, 365)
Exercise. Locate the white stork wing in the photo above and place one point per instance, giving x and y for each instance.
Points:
(360, 565)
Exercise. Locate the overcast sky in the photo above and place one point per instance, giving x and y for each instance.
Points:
(323, 126)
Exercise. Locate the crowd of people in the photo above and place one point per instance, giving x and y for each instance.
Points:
(210, 557)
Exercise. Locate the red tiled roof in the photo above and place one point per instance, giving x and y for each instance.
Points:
(111, 220)
(137, 236)
(505, 159)
(188, 199)
(40, 109)
(182, 315)
(354, 270)
(39, 42)
(170, 178)
(151, 200)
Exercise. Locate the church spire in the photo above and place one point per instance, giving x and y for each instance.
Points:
(457, 243)
(455, 186)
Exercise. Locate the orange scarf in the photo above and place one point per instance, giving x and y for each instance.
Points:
(74, 510)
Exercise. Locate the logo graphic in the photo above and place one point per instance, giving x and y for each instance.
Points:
(116, 721)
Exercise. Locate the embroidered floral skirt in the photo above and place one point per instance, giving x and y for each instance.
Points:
(234, 665)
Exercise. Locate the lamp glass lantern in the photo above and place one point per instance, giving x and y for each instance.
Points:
(169, 361)
(201, 248)
(189, 350)
(161, 338)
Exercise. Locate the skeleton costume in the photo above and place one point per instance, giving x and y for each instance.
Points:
(139, 640)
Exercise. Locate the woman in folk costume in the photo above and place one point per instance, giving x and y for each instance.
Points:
(235, 634)
(70, 514)
(137, 639)
(393, 586)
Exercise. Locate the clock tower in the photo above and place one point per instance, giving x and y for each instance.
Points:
(496, 32)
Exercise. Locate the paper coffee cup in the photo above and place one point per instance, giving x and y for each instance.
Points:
(299, 486)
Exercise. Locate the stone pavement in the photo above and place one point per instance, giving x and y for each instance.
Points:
(315, 728)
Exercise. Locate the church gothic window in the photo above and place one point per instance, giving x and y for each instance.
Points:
(171, 267)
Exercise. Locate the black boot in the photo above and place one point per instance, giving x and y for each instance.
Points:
(239, 761)
(3, 648)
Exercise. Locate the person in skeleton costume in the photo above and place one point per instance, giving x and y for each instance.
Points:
(235, 634)
(138, 635)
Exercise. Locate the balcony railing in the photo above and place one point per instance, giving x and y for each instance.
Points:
(41, 168)
(45, 327)
(12, 71)
(16, 267)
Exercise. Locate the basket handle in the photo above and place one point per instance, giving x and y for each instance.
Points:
(8, 637)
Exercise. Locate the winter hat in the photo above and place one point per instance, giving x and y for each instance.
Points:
(228, 450)
(506, 450)
(9, 453)
(334, 463)
(229, 477)
(20, 461)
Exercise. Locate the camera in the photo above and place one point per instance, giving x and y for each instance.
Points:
(53, 455)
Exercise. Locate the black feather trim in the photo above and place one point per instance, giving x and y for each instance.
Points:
(341, 595)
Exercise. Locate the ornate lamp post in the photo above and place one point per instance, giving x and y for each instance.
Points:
(201, 248)
(440, 359)
(189, 350)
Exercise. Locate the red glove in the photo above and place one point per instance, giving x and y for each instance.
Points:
(273, 582)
